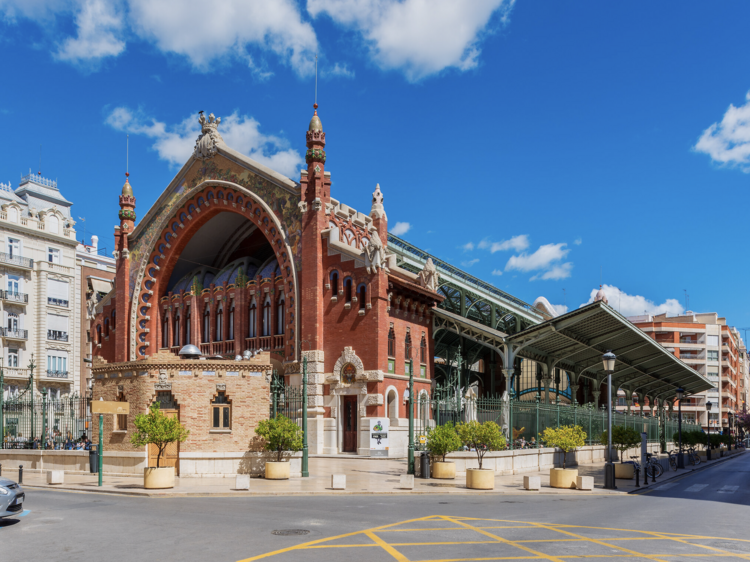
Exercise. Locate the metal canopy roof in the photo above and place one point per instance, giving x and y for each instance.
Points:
(576, 341)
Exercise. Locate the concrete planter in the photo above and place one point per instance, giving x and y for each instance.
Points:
(480, 478)
(444, 470)
(624, 470)
(563, 477)
(277, 470)
(158, 478)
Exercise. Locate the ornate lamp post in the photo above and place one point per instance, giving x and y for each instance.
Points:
(708, 433)
(411, 416)
(44, 419)
(305, 470)
(2, 397)
(608, 360)
(680, 393)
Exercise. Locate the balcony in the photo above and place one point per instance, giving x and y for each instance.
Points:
(58, 374)
(15, 373)
(692, 357)
(21, 298)
(57, 335)
(15, 334)
(57, 302)
(17, 261)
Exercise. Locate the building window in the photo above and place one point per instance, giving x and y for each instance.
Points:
(712, 341)
(12, 358)
(187, 326)
(220, 414)
(253, 320)
(407, 344)
(14, 284)
(423, 349)
(335, 283)
(57, 292)
(220, 323)
(712, 355)
(99, 334)
(122, 419)
(57, 364)
(13, 322)
(362, 296)
(53, 255)
(14, 248)
(164, 330)
(176, 331)
(106, 327)
(53, 224)
(12, 214)
(391, 342)
(348, 290)
(280, 316)
(231, 321)
(266, 317)
(57, 327)
(206, 326)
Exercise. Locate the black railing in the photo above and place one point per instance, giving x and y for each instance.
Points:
(58, 374)
(57, 335)
(16, 334)
(16, 260)
(15, 297)
(57, 302)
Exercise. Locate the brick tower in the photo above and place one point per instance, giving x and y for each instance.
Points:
(122, 276)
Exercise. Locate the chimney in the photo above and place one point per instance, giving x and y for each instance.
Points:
(94, 242)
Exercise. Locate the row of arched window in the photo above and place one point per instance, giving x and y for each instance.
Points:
(348, 289)
(108, 326)
(407, 345)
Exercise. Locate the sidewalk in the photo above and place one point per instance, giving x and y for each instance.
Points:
(363, 476)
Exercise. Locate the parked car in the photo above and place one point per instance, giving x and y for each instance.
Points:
(11, 498)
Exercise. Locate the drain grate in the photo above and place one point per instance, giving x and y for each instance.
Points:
(288, 532)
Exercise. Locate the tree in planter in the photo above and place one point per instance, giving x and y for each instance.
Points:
(280, 434)
(442, 440)
(158, 429)
(482, 437)
(566, 437)
(623, 438)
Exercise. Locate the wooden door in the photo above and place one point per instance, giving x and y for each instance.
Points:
(171, 455)
(350, 424)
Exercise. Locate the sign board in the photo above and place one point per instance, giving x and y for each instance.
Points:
(379, 437)
(422, 439)
(102, 407)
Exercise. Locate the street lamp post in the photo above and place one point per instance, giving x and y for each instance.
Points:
(411, 416)
(680, 393)
(2, 397)
(608, 359)
(305, 471)
(708, 433)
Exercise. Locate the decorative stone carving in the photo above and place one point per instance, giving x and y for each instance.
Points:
(205, 146)
(375, 254)
(317, 204)
(348, 357)
(302, 206)
(221, 386)
(428, 277)
(162, 383)
(377, 211)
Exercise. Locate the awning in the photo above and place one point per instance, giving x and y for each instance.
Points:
(100, 285)
(576, 341)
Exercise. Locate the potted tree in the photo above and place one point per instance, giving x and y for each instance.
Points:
(623, 438)
(442, 440)
(160, 430)
(481, 437)
(280, 435)
(566, 438)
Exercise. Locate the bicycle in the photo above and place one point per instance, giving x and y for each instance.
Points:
(693, 457)
(654, 469)
(672, 460)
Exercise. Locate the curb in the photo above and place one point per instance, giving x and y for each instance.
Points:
(644, 489)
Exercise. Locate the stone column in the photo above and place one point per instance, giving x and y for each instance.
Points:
(596, 394)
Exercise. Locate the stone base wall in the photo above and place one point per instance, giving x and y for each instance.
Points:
(228, 465)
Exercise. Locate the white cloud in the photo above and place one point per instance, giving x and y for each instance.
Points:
(339, 69)
(559, 271)
(517, 243)
(635, 305)
(541, 259)
(175, 143)
(497, 272)
(578, 241)
(99, 24)
(400, 228)
(468, 246)
(559, 309)
(41, 10)
(728, 142)
(418, 37)
(469, 263)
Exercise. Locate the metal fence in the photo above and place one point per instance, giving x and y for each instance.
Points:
(527, 420)
(44, 424)
(285, 400)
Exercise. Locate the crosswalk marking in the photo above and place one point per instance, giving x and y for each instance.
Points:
(696, 487)
(666, 486)
(728, 489)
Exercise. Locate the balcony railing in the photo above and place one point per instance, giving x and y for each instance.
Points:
(16, 260)
(16, 334)
(57, 335)
(58, 374)
(57, 302)
(14, 297)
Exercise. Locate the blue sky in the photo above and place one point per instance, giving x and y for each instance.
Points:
(543, 146)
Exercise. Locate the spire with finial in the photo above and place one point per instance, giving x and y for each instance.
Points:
(127, 199)
(601, 296)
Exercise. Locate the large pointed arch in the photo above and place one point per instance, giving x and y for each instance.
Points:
(193, 209)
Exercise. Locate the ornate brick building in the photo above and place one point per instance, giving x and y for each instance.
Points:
(235, 256)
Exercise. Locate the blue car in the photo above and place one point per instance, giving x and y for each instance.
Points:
(11, 498)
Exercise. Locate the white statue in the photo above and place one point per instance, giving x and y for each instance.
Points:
(374, 253)
(205, 146)
(428, 277)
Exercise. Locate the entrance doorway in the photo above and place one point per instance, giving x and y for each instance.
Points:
(350, 424)
(171, 454)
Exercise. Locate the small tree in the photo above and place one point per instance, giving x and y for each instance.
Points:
(482, 437)
(566, 437)
(623, 438)
(442, 440)
(158, 429)
(280, 434)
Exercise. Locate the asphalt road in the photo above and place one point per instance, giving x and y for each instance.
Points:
(703, 515)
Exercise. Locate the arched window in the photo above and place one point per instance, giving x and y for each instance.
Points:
(253, 320)
(122, 419)
(12, 214)
(334, 283)
(220, 411)
(391, 342)
(266, 317)
(362, 296)
(220, 324)
(407, 345)
(164, 331)
(206, 326)
(392, 404)
(280, 315)
(53, 224)
(423, 350)
(114, 319)
(106, 327)
(187, 326)
(99, 334)
(231, 321)
(176, 331)
(348, 290)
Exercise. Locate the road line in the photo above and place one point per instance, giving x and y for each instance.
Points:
(666, 486)
(696, 487)
(729, 489)
(722, 552)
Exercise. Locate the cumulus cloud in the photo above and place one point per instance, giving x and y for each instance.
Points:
(497, 272)
(728, 142)
(400, 228)
(175, 143)
(559, 271)
(99, 25)
(469, 263)
(559, 309)
(418, 37)
(635, 305)
(339, 70)
(543, 258)
(517, 243)
(468, 246)
(578, 241)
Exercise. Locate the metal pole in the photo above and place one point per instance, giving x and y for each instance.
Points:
(411, 417)
(44, 418)
(2, 396)
(305, 471)
(609, 468)
(101, 446)
(680, 460)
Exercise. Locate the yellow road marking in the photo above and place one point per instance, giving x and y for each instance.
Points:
(684, 541)
(388, 548)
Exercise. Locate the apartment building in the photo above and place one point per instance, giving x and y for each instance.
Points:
(715, 350)
(39, 289)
